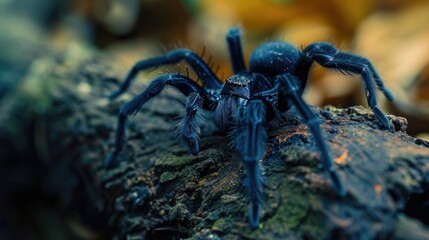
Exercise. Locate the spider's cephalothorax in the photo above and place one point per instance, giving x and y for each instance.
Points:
(251, 100)
(237, 91)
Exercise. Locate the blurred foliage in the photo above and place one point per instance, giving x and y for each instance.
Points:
(399, 43)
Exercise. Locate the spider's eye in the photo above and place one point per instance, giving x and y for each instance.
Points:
(238, 80)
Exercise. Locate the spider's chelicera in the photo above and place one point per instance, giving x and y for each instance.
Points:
(251, 100)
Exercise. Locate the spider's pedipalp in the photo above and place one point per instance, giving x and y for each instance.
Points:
(190, 126)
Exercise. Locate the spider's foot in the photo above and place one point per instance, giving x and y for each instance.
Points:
(339, 187)
(254, 211)
(382, 118)
(110, 160)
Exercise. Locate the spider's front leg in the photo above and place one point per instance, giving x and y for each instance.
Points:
(289, 92)
(250, 138)
(196, 95)
(205, 73)
(328, 56)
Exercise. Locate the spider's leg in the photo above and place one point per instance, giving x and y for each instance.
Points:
(328, 56)
(250, 137)
(235, 50)
(182, 83)
(205, 73)
(270, 92)
(289, 90)
(191, 123)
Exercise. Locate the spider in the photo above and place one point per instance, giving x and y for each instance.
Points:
(251, 101)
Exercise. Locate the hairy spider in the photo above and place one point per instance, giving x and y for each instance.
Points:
(251, 100)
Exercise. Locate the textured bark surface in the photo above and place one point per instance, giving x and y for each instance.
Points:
(160, 191)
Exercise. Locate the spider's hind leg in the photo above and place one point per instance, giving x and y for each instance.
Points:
(250, 137)
(328, 56)
(289, 91)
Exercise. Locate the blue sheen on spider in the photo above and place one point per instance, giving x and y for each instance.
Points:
(251, 101)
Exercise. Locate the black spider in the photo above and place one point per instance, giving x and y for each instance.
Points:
(251, 100)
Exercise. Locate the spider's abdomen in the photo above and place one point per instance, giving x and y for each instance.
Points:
(274, 58)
